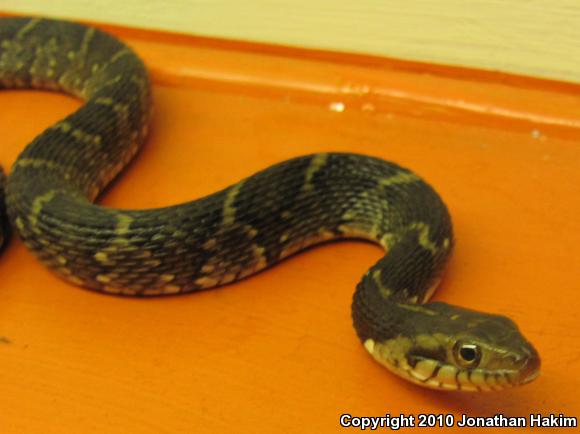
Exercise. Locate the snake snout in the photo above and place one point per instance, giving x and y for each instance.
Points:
(531, 366)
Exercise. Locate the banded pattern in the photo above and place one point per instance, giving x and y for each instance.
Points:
(242, 229)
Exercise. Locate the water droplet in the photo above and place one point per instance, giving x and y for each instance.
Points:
(337, 107)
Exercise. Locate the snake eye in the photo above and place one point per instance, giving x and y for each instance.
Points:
(467, 355)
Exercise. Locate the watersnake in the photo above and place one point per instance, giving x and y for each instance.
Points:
(242, 229)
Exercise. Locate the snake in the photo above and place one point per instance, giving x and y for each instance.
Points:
(49, 196)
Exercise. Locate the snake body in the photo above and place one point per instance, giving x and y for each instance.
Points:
(242, 229)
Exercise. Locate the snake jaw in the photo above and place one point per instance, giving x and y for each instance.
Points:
(394, 355)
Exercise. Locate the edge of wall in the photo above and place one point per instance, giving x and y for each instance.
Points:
(535, 38)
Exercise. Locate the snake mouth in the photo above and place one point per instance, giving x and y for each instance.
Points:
(435, 375)
(531, 377)
(531, 370)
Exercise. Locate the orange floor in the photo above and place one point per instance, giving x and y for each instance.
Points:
(277, 352)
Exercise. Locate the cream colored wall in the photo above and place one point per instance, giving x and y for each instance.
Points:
(532, 37)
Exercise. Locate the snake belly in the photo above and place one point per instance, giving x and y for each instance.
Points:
(227, 235)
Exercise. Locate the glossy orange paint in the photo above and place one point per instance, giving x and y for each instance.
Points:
(277, 352)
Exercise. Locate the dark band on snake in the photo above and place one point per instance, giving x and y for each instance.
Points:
(231, 234)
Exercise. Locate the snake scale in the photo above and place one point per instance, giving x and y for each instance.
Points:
(242, 229)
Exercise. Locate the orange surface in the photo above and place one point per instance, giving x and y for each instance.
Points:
(277, 352)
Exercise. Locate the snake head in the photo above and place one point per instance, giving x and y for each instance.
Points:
(453, 348)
